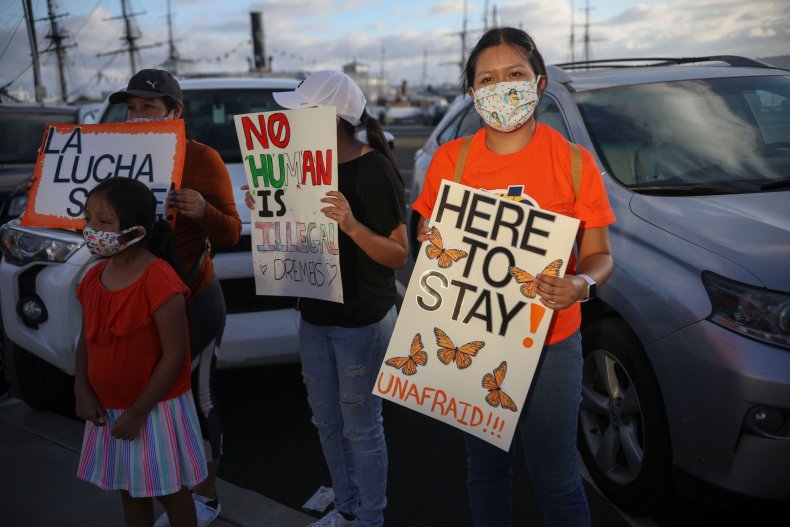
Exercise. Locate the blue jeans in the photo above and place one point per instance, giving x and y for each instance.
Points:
(339, 366)
(547, 428)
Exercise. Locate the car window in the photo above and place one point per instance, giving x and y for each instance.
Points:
(725, 135)
(21, 132)
(549, 113)
(209, 115)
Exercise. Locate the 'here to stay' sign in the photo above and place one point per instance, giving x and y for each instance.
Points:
(471, 328)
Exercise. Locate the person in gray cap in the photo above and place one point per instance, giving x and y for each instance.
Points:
(206, 215)
(342, 345)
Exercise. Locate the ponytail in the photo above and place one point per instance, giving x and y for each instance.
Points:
(162, 243)
(378, 141)
(375, 138)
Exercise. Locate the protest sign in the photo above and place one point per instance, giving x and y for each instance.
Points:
(74, 158)
(471, 328)
(290, 158)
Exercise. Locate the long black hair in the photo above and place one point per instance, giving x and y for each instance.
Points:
(135, 204)
(503, 35)
(375, 138)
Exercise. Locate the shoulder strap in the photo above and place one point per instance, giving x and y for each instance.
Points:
(459, 165)
(576, 168)
(192, 277)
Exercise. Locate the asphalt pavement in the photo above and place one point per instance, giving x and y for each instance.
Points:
(39, 452)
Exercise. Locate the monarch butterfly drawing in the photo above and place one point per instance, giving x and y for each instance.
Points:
(462, 355)
(529, 287)
(493, 383)
(417, 357)
(435, 250)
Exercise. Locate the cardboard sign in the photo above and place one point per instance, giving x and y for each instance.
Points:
(290, 158)
(471, 328)
(74, 158)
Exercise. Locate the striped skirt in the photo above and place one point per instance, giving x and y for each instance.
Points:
(165, 455)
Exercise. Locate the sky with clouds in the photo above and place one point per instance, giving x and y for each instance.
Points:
(409, 39)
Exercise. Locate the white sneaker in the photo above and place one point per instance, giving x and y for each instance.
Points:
(334, 519)
(206, 511)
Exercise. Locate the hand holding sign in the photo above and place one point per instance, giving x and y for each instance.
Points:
(188, 202)
(477, 286)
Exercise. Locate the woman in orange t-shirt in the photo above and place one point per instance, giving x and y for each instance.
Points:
(514, 155)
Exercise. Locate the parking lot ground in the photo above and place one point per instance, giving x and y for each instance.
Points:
(39, 452)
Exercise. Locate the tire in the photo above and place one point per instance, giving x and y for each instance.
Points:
(38, 383)
(623, 433)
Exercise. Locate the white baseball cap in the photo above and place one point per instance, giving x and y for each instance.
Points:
(326, 88)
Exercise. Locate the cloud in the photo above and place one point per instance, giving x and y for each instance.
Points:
(313, 34)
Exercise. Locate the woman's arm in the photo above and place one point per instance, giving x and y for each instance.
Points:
(392, 251)
(595, 260)
(209, 201)
(171, 321)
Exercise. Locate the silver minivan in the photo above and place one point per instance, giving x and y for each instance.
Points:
(687, 351)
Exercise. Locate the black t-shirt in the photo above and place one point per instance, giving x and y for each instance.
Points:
(375, 194)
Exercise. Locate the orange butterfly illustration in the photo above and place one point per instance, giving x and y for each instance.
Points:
(417, 357)
(446, 257)
(493, 383)
(529, 287)
(462, 355)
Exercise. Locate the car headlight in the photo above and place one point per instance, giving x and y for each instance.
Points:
(754, 312)
(21, 246)
(17, 206)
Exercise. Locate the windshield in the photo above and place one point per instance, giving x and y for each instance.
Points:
(209, 116)
(21, 132)
(706, 136)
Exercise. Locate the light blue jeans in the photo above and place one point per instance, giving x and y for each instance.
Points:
(547, 428)
(339, 366)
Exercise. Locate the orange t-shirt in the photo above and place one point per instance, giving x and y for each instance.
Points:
(121, 333)
(539, 175)
(205, 172)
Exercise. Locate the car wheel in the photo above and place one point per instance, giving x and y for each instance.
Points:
(37, 382)
(623, 433)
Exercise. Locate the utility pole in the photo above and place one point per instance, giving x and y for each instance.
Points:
(485, 16)
(587, 10)
(40, 90)
(172, 52)
(573, 36)
(56, 36)
(424, 68)
(462, 64)
(131, 37)
(381, 75)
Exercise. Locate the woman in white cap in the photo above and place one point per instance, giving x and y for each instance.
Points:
(342, 345)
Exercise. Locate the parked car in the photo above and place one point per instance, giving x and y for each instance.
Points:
(687, 350)
(22, 126)
(41, 268)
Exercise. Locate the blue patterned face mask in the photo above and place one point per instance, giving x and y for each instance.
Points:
(506, 106)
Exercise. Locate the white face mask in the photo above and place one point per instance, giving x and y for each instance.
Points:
(103, 244)
(147, 119)
(506, 106)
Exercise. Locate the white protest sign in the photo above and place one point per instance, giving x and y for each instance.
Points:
(74, 158)
(470, 331)
(290, 158)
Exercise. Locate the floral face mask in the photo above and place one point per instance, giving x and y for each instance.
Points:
(104, 244)
(506, 106)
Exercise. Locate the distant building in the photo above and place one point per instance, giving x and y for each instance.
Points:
(374, 88)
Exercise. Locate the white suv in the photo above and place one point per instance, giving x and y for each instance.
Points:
(41, 268)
